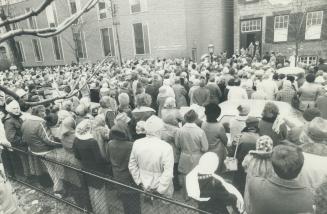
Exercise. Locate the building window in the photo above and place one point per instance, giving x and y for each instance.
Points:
(57, 48)
(309, 60)
(74, 6)
(281, 28)
(80, 45)
(103, 9)
(3, 53)
(251, 25)
(313, 25)
(31, 20)
(51, 15)
(20, 50)
(138, 6)
(107, 41)
(37, 50)
(141, 38)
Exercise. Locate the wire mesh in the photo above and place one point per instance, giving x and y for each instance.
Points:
(86, 191)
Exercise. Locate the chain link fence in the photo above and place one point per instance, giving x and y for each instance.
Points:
(86, 191)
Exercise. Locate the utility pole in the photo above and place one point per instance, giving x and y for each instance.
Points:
(115, 23)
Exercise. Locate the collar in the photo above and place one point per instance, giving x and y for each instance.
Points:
(290, 184)
(190, 125)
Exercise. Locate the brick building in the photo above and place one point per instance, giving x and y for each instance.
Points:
(147, 28)
(277, 27)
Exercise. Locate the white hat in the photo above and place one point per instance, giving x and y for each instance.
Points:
(153, 125)
(208, 163)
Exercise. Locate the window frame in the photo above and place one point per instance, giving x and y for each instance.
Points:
(22, 51)
(107, 9)
(78, 7)
(307, 59)
(113, 42)
(32, 18)
(53, 48)
(258, 20)
(279, 20)
(148, 32)
(41, 50)
(307, 26)
(142, 9)
(83, 40)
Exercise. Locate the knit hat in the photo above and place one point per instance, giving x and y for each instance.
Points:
(208, 163)
(311, 113)
(264, 145)
(243, 109)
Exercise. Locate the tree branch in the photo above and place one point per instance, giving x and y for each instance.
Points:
(42, 102)
(33, 12)
(49, 32)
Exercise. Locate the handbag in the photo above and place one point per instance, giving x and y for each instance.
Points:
(231, 163)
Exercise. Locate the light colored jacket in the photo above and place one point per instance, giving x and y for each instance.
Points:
(151, 163)
(192, 143)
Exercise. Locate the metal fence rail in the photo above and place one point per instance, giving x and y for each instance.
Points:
(107, 196)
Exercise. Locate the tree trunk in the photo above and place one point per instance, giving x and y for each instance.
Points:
(12, 45)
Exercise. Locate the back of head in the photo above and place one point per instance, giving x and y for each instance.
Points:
(191, 116)
(212, 111)
(287, 161)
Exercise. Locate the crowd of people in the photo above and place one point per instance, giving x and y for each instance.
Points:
(127, 123)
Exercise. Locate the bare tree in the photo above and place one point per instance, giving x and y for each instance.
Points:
(10, 34)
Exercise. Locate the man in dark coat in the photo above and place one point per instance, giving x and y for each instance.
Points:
(281, 193)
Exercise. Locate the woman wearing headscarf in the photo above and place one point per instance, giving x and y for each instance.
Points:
(87, 151)
(74, 182)
(258, 164)
(180, 93)
(162, 96)
(271, 124)
(241, 146)
(100, 133)
(191, 142)
(211, 191)
(287, 92)
(168, 134)
(12, 124)
(215, 133)
(118, 150)
(107, 110)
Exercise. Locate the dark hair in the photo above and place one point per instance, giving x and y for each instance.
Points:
(291, 78)
(275, 76)
(287, 161)
(193, 66)
(212, 112)
(191, 116)
(231, 82)
(310, 78)
(237, 82)
(281, 76)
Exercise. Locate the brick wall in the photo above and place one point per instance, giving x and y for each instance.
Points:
(263, 9)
